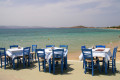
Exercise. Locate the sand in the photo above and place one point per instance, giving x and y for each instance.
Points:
(74, 72)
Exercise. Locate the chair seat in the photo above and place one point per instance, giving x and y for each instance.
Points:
(111, 58)
(100, 59)
(89, 60)
(4, 57)
(26, 56)
(41, 59)
(57, 59)
(32, 52)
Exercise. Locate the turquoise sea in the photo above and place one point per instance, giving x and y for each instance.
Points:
(72, 37)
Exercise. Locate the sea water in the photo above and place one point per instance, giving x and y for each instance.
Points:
(73, 37)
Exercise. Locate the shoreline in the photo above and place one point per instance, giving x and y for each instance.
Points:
(75, 55)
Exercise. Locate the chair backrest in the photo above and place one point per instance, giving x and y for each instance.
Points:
(83, 47)
(26, 51)
(114, 53)
(13, 46)
(50, 46)
(100, 46)
(64, 46)
(40, 53)
(2, 52)
(58, 53)
(87, 54)
(34, 47)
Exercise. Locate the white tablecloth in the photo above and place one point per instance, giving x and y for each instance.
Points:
(48, 53)
(14, 52)
(106, 54)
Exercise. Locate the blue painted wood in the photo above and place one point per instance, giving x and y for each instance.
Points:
(41, 54)
(103, 62)
(64, 46)
(13, 46)
(3, 53)
(57, 54)
(34, 47)
(83, 47)
(47, 46)
(113, 60)
(100, 46)
(26, 52)
(87, 54)
(50, 65)
(65, 58)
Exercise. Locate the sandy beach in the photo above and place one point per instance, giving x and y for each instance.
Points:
(74, 71)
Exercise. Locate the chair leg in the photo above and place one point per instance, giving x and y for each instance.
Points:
(53, 67)
(49, 65)
(66, 62)
(1, 62)
(13, 63)
(83, 64)
(62, 66)
(5, 63)
(56, 62)
(44, 65)
(85, 67)
(32, 56)
(113, 67)
(17, 62)
(29, 61)
(35, 56)
(92, 68)
(99, 66)
(23, 62)
(108, 64)
(103, 65)
(39, 64)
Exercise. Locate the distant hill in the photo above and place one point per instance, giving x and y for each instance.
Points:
(79, 27)
(114, 27)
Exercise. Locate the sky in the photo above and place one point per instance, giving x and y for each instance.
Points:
(60, 13)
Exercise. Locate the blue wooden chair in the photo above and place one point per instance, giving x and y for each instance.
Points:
(113, 60)
(83, 47)
(89, 61)
(3, 56)
(65, 58)
(13, 46)
(47, 46)
(34, 47)
(26, 56)
(101, 59)
(41, 58)
(57, 56)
